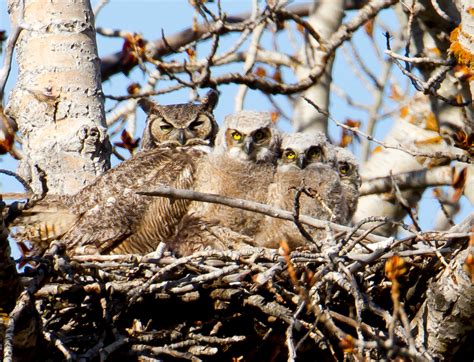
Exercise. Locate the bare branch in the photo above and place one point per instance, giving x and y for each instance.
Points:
(439, 176)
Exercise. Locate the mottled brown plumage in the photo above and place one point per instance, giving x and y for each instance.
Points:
(348, 169)
(241, 166)
(306, 161)
(109, 216)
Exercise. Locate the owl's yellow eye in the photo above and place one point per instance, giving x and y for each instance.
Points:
(290, 155)
(166, 127)
(259, 135)
(344, 168)
(236, 136)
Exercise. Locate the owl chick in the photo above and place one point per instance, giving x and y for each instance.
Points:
(241, 166)
(307, 161)
(175, 125)
(108, 216)
(348, 169)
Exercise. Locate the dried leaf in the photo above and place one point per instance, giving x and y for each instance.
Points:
(434, 51)
(285, 250)
(430, 141)
(404, 111)
(464, 141)
(369, 28)
(469, 262)
(277, 76)
(347, 344)
(377, 149)
(191, 54)
(128, 142)
(300, 28)
(469, 266)
(395, 267)
(133, 49)
(431, 123)
(6, 142)
(260, 72)
(347, 135)
(395, 93)
(463, 73)
(459, 181)
(275, 115)
(133, 88)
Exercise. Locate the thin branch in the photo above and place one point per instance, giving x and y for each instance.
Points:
(464, 157)
(11, 41)
(439, 176)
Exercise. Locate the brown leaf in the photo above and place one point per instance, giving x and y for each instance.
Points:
(395, 267)
(260, 72)
(133, 49)
(6, 142)
(431, 123)
(127, 142)
(274, 116)
(347, 135)
(430, 141)
(377, 149)
(277, 76)
(464, 141)
(347, 344)
(395, 93)
(459, 181)
(369, 28)
(191, 53)
(133, 88)
(300, 28)
(463, 73)
(404, 111)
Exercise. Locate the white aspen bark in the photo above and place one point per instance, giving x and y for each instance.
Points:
(446, 316)
(57, 101)
(325, 18)
(409, 132)
(445, 118)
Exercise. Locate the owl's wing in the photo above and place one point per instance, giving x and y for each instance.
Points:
(117, 217)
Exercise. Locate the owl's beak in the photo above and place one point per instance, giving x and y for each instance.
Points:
(301, 161)
(248, 145)
(181, 137)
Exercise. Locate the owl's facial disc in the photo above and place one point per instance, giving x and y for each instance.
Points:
(200, 129)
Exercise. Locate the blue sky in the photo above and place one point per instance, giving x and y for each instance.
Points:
(149, 17)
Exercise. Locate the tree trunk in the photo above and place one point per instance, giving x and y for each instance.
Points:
(325, 18)
(57, 101)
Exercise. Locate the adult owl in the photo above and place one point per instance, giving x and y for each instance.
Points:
(177, 125)
(241, 166)
(348, 170)
(108, 216)
(307, 161)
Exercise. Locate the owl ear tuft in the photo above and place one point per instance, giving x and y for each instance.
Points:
(210, 100)
(147, 105)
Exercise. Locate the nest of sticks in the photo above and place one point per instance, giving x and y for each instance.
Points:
(346, 301)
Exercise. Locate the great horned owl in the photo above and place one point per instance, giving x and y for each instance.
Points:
(108, 216)
(307, 160)
(185, 124)
(348, 169)
(241, 166)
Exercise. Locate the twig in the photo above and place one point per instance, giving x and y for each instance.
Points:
(248, 206)
(12, 38)
(439, 176)
(459, 157)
